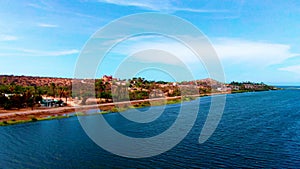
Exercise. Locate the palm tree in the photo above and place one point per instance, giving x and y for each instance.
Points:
(53, 87)
(66, 93)
(61, 91)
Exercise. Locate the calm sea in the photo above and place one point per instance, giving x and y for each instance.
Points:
(259, 129)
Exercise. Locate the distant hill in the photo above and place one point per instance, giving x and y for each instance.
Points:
(34, 80)
(46, 81)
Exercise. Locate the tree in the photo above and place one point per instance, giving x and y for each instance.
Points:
(17, 101)
(8, 105)
(53, 89)
(30, 102)
(4, 89)
(99, 87)
(3, 100)
(38, 98)
(66, 94)
(4, 80)
(107, 95)
(61, 91)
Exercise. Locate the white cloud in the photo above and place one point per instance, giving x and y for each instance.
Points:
(156, 5)
(45, 25)
(53, 53)
(293, 69)
(229, 50)
(7, 37)
(30, 52)
(147, 49)
(252, 52)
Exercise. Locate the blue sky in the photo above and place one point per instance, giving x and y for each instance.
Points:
(255, 40)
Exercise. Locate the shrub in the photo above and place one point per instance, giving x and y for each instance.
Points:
(34, 119)
(114, 109)
(8, 105)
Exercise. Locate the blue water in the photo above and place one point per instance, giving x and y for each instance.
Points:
(258, 129)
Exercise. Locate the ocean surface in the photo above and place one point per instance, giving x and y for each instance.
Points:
(257, 129)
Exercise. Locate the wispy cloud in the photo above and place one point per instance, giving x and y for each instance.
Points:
(53, 7)
(198, 10)
(37, 6)
(4, 37)
(152, 5)
(31, 52)
(155, 5)
(293, 69)
(45, 25)
(51, 53)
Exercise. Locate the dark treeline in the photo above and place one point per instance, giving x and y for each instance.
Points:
(17, 96)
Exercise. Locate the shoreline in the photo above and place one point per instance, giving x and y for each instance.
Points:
(64, 112)
(18, 117)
